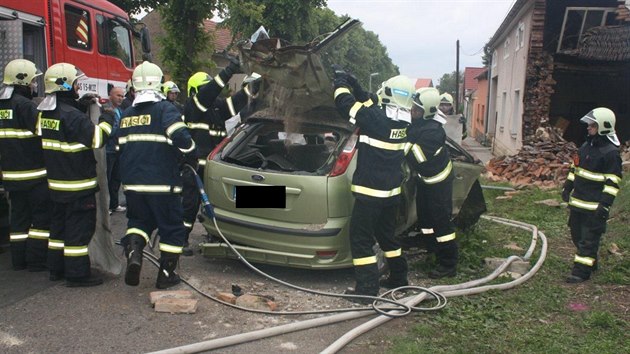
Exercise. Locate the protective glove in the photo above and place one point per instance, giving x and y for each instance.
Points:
(191, 159)
(566, 193)
(602, 212)
(234, 66)
(254, 80)
(86, 101)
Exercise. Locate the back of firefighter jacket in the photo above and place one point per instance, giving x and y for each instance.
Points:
(380, 150)
(151, 138)
(68, 137)
(427, 153)
(21, 149)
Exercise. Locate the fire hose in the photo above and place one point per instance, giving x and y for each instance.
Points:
(401, 307)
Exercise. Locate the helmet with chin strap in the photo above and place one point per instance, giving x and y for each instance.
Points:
(605, 120)
(427, 98)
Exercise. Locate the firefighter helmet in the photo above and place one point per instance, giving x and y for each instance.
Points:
(427, 98)
(446, 98)
(147, 76)
(20, 72)
(197, 80)
(61, 77)
(396, 91)
(169, 86)
(605, 119)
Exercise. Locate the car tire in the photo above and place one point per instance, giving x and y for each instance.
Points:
(472, 208)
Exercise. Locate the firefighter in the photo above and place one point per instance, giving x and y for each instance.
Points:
(590, 189)
(428, 156)
(68, 137)
(171, 91)
(151, 139)
(23, 170)
(205, 114)
(446, 104)
(376, 183)
(130, 94)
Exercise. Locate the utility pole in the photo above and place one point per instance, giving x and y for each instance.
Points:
(457, 78)
(370, 84)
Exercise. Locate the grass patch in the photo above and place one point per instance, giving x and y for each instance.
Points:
(543, 315)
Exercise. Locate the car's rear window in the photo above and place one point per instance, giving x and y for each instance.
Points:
(271, 146)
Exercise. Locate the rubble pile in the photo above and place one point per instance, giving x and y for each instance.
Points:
(543, 161)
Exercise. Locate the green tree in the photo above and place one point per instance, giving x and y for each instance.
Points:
(447, 83)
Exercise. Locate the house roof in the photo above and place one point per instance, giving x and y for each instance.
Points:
(610, 43)
(502, 30)
(470, 77)
(423, 83)
(222, 36)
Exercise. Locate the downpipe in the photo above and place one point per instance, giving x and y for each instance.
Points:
(401, 307)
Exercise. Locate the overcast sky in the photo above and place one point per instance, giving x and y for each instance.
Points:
(421, 35)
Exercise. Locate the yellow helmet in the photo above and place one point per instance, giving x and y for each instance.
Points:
(396, 91)
(446, 98)
(61, 76)
(20, 72)
(605, 119)
(169, 86)
(147, 76)
(427, 98)
(197, 80)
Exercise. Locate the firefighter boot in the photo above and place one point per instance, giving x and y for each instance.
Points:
(397, 273)
(366, 283)
(166, 275)
(134, 244)
(447, 255)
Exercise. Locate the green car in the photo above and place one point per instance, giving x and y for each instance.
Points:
(300, 142)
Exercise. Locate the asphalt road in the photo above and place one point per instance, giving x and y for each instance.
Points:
(40, 316)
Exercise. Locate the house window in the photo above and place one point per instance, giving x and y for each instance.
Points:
(578, 20)
(506, 48)
(520, 37)
(515, 114)
(503, 103)
(494, 58)
(78, 31)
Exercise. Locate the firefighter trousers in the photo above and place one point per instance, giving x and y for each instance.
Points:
(434, 205)
(375, 219)
(146, 212)
(190, 198)
(586, 233)
(71, 229)
(30, 226)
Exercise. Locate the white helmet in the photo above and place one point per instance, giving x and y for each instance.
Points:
(427, 98)
(147, 76)
(446, 98)
(605, 119)
(20, 72)
(61, 77)
(396, 91)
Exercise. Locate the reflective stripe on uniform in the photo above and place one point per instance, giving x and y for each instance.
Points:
(23, 175)
(418, 153)
(353, 111)
(191, 148)
(56, 145)
(590, 175)
(16, 133)
(18, 237)
(55, 244)
(364, 260)
(151, 188)
(440, 176)
(571, 176)
(583, 204)
(368, 103)
(611, 190)
(154, 138)
(202, 126)
(97, 141)
(446, 238)
(584, 260)
(198, 104)
(247, 91)
(427, 231)
(174, 127)
(202, 162)
(230, 105)
(219, 81)
(188, 225)
(438, 151)
(137, 231)
(339, 91)
(375, 192)
(75, 251)
(106, 127)
(381, 144)
(394, 253)
(613, 178)
(38, 234)
(170, 248)
(217, 132)
(60, 185)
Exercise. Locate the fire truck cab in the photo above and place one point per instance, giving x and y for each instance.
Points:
(94, 35)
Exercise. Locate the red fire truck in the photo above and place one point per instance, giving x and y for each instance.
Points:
(94, 35)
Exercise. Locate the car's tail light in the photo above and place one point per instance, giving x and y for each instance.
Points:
(218, 148)
(326, 254)
(343, 160)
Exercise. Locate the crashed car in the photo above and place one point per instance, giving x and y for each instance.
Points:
(296, 139)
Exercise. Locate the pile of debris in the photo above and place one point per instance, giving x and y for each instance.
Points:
(543, 161)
